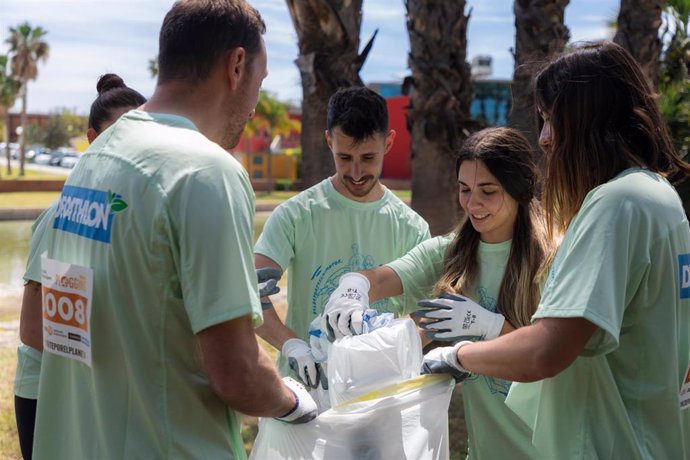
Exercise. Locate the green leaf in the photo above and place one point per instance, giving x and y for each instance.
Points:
(118, 205)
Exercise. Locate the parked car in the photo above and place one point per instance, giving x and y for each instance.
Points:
(43, 158)
(33, 150)
(55, 157)
(59, 153)
(14, 150)
(69, 160)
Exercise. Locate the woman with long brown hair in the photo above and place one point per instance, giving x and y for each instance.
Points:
(611, 335)
(487, 270)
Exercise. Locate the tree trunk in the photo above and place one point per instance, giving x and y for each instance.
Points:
(22, 138)
(7, 141)
(638, 32)
(439, 115)
(328, 40)
(539, 35)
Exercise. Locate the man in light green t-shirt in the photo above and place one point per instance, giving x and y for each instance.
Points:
(149, 287)
(347, 222)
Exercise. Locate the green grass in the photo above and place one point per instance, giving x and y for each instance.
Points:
(43, 199)
(403, 194)
(277, 196)
(29, 174)
(27, 199)
(9, 443)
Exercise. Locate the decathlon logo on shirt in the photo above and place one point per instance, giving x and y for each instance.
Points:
(87, 212)
(684, 268)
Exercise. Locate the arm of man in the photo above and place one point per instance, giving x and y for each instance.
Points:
(273, 330)
(531, 353)
(30, 321)
(241, 372)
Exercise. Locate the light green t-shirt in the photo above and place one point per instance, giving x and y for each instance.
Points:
(28, 358)
(320, 235)
(494, 431)
(172, 257)
(624, 265)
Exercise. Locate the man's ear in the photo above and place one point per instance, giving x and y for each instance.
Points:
(390, 137)
(236, 62)
(329, 140)
(91, 134)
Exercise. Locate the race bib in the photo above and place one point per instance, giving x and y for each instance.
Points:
(67, 293)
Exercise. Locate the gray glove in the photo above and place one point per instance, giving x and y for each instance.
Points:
(458, 317)
(444, 360)
(267, 279)
(305, 409)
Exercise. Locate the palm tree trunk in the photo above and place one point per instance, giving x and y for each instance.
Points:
(328, 39)
(638, 32)
(7, 141)
(22, 138)
(439, 115)
(539, 35)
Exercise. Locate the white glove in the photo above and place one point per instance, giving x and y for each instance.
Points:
(444, 360)
(301, 361)
(305, 409)
(343, 314)
(457, 317)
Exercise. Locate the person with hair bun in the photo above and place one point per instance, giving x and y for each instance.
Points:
(114, 98)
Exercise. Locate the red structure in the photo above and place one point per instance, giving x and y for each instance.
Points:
(396, 164)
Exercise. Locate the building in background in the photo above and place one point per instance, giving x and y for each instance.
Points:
(490, 107)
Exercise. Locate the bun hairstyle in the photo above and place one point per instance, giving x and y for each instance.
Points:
(109, 81)
(113, 97)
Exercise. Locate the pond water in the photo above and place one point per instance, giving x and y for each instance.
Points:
(14, 249)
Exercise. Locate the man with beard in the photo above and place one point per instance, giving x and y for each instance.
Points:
(348, 222)
(149, 286)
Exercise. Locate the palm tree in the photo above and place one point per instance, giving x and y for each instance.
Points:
(27, 48)
(9, 88)
(539, 34)
(153, 67)
(272, 117)
(674, 81)
(328, 40)
(638, 32)
(439, 114)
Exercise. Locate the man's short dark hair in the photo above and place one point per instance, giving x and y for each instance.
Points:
(359, 113)
(196, 33)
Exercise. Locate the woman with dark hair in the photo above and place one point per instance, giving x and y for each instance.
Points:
(496, 257)
(114, 99)
(611, 335)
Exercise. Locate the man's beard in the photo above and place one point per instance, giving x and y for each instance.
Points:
(231, 136)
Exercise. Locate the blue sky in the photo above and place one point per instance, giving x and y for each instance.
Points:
(89, 38)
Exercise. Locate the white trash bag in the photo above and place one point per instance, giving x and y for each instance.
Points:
(382, 408)
(360, 364)
(407, 420)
